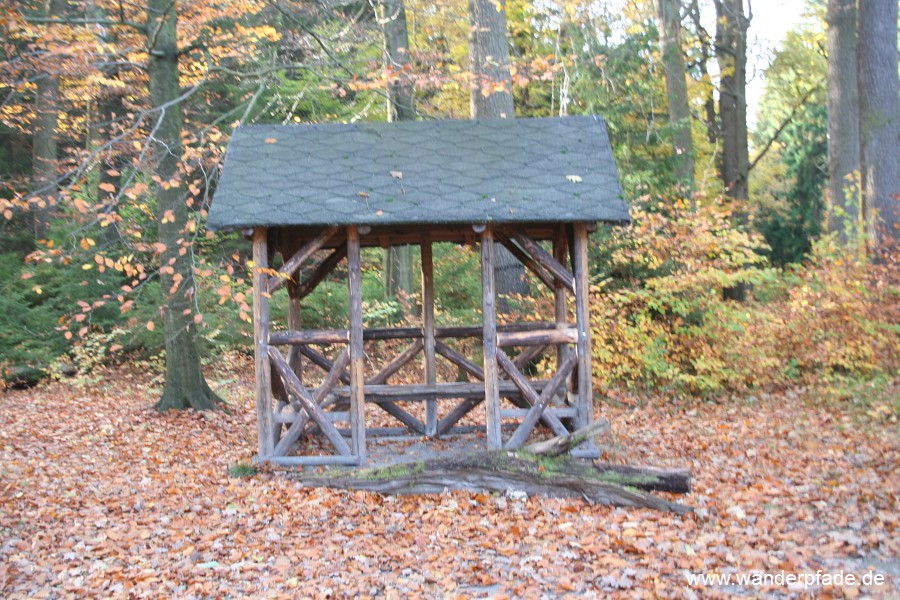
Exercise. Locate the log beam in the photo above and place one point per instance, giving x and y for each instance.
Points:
(306, 287)
(294, 432)
(545, 259)
(428, 334)
(583, 325)
(396, 363)
(489, 340)
(290, 267)
(264, 426)
(309, 404)
(357, 352)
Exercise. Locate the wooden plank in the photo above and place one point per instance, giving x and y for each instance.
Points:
(545, 259)
(538, 408)
(530, 395)
(306, 287)
(583, 324)
(357, 352)
(290, 267)
(294, 432)
(264, 426)
(310, 336)
(431, 418)
(537, 338)
(459, 360)
(309, 405)
(489, 340)
(396, 363)
(321, 361)
(526, 260)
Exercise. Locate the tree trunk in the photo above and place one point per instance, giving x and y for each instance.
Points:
(185, 385)
(398, 271)
(491, 97)
(843, 117)
(109, 106)
(704, 41)
(879, 119)
(668, 15)
(731, 54)
(44, 142)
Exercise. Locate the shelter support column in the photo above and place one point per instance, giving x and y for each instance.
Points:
(431, 420)
(261, 344)
(561, 253)
(489, 321)
(584, 408)
(357, 353)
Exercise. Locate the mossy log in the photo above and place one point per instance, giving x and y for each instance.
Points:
(535, 474)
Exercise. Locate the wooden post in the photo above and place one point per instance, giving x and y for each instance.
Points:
(357, 352)
(489, 323)
(561, 253)
(585, 408)
(431, 419)
(264, 427)
(295, 359)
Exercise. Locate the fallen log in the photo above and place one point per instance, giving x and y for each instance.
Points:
(524, 470)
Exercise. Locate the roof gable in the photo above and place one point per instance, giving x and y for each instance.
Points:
(436, 172)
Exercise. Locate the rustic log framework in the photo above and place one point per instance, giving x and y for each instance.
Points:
(286, 408)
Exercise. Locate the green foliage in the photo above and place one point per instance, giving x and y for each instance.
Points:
(796, 216)
(241, 470)
(659, 319)
(789, 197)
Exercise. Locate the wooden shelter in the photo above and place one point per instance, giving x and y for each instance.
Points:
(536, 186)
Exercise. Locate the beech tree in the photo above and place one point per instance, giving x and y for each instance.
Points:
(843, 115)
(398, 270)
(668, 17)
(46, 115)
(185, 384)
(731, 54)
(879, 119)
(491, 98)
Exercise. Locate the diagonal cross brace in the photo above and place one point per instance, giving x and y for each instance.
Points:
(290, 267)
(538, 403)
(309, 404)
(545, 259)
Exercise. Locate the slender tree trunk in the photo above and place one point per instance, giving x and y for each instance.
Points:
(398, 271)
(705, 43)
(185, 385)
(843, 117)
(108, 106)
(491, 98)
(668, 15)
(44, 142)
(879, 119)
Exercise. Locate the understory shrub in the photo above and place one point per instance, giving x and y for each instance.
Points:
(659, 318)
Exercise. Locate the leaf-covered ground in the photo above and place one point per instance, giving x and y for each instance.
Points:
(102, 497)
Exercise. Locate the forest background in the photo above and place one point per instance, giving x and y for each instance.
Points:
(758, 258)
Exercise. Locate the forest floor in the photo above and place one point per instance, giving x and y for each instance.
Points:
(100, 496)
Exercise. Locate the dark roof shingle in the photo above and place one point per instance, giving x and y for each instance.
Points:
(452, 172)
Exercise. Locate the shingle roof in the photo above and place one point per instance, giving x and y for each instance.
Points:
(504, 170)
